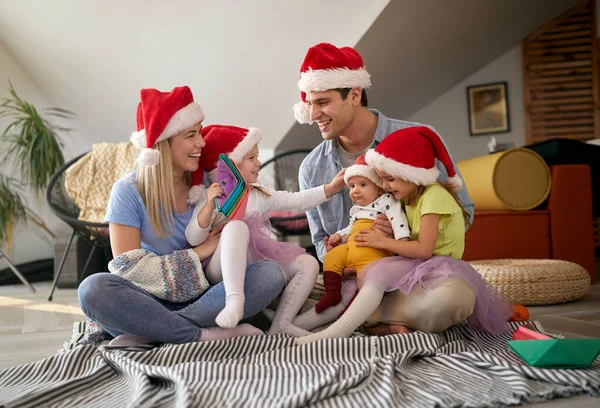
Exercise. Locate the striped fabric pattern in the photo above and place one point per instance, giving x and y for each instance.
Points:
(458, 367)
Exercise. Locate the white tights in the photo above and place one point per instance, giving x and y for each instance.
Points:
(230, 267)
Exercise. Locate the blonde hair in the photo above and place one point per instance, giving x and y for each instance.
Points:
(419, 190)
(155, 184)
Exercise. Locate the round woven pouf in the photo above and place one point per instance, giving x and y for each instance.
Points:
(535, 281)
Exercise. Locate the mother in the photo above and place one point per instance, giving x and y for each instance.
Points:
(148, 210)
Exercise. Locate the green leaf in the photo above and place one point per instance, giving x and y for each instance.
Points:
(31, 141)
(12, 210)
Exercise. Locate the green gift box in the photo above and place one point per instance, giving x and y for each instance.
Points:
(557, 353)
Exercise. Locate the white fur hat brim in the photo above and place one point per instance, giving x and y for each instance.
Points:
(325, 79)
(417, 175)
(252, 138)
(183, 119)
(363, 171)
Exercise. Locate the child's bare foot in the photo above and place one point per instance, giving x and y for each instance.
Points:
(387, 329)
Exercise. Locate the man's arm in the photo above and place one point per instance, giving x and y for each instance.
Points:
(314, 221)
(463, 194)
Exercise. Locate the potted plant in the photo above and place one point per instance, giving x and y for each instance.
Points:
(32, 147)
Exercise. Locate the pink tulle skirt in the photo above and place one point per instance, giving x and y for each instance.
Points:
(263, 246)
(491, 310)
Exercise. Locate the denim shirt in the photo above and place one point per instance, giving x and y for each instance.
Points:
(323, 163)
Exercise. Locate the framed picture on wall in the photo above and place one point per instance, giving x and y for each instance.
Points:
(488, 108)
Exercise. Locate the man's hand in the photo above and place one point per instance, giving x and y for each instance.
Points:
(208, 247)
(384, 225)
(348, 273)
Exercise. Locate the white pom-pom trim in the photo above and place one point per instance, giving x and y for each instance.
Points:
(302, 113)
(418, 175)
(138, 139)
(325, 79)
(455, 182)
(149, 157)
(197, 194)
(252, 138)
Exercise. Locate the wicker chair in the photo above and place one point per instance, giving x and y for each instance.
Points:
(95, 234)
(281, 173)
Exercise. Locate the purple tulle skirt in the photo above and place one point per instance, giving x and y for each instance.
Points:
(491, 311)
(263, 246)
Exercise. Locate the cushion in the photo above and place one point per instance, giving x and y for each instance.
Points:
(535, 281)
(89, 181)
(516, 179)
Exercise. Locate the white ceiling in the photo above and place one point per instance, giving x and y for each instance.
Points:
(241, 58)
(417, 50)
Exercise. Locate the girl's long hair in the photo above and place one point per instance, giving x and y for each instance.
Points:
(418, 192)
(155, 184)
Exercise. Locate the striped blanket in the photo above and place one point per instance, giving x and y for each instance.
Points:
(458, 367)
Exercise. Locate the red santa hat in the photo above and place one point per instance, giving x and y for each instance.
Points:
(328, 67)
(361, 168)
(232, 141)
(410, 154)
(161, 115)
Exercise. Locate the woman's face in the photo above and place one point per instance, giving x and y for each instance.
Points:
(186, 147)
(400, 188)
(250, 165)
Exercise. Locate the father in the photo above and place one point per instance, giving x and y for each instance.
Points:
(333, 84)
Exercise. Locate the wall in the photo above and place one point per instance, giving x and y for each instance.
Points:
(449, 112)
(29, 243)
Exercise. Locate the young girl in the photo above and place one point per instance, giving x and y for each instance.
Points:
(249, 239)
(405, 160)
(369, 201)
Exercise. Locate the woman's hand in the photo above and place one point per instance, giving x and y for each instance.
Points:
(336, 185)
(208, 247)
(374, 238)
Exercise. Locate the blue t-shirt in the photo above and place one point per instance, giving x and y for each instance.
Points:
(126, 207)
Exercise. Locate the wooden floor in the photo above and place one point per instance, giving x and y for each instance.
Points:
(31, 328)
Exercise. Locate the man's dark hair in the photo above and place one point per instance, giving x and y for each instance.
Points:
(363, 97)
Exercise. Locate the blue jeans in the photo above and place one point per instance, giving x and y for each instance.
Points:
(120, 307)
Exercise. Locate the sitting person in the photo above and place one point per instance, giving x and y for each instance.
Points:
(405, 160)
(158, 290)
(369, 201)
(249, 238)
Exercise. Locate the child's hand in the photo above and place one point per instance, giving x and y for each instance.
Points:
(215, 190)
(383, 224)
(335, 240)
(373, 238)
(336, 185)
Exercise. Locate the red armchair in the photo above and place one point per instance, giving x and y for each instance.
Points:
(561, 228)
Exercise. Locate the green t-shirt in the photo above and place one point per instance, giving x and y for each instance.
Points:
(451, 231)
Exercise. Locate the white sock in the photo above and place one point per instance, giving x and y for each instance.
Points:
(216, 333)
(234, 254)
(304, 272)
(310, 319)
(364, 305)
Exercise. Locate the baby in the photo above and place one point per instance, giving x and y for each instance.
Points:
(369, 201)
